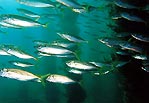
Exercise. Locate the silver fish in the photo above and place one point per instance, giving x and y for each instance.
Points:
(21, 64)
(36, 3)
(63, 44)
(80, 65)
(112, 42)
(145, 63)
(18, 74)
(16, 52)
(28, 13)
(56, 55)
(75, 71)
(140, 37)
(54, 50)
(79, 10)
(55, 78)
(72, 38)
(132, 47)
(120, 64)
(98, 64)
(132, 17)
(19, 21)
(141, 56)
(41, 43)
(7, 25)
(122, 4)
(3, 52)
(3, 32)
(123, 53)
(123, 34)
(145, 68)
(70, 3)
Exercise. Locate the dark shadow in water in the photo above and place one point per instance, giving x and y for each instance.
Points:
(135, 83)
(52, 93)
(75, 93)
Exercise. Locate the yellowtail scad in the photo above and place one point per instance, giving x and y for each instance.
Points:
(12, 20)
(18, 74)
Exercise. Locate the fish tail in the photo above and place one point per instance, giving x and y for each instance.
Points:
(45, 25)
(58, 6)
(37, 19)
(100, 8)
(89, 8)
(43, 79)
(78, 58)
(86, 8)
(35, 59)
(86, 41)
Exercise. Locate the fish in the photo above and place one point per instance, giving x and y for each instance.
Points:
(122, 4)
(41, 43)
(7, 25)
(74, 71)
(18, 74)
(131, 47)
(79, 10)
(80, 65)
(116, 17)
(145, 63)
(17, 52)
(63, 44)
(21, 64)
(141, 56)
(56, 78)
(123, 34)
(98, 64)
(131, 17)
(56, 55)
(28, 13)
(43, 54)
(55, 50)
(19, 21)
(3, 52)
(3, 32)
(70, 4)
(112, 42)
(51, 15)
(103, 70)
(103, 73)
(36, 3)
(123, 53)
(120, 64)
(140, 37)
(72, 38)
(145, 68)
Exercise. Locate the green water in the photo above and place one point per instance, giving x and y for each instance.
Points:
(89, 26)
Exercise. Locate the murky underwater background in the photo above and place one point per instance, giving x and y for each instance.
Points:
(90, 26)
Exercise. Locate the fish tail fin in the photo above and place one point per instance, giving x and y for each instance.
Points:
(43, 79)
(86, 41)
(58, 5)
(100, 8)
(36, 59)
(3, 32)
(89, 8)
(76, 55)
(45, 25)
(80, 83)
(37, 19)
(86, 8)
